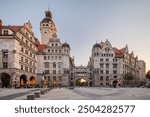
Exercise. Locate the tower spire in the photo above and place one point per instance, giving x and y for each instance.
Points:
(48, 8)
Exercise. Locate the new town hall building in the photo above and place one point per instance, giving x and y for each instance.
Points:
(23, 57)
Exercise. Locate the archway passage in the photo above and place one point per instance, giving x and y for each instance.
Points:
(115, 82)
(23, 80)
(32, 81)
(81, 82)
(5, 78)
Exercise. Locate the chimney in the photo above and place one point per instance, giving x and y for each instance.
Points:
(0, 27)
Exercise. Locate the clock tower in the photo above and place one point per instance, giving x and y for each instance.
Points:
(47, 28)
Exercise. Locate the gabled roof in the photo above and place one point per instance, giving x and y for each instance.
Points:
(41, 48)
(118, 53)
(123, 50)
(15, 28)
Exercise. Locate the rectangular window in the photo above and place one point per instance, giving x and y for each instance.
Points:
(60, 79)
(5, 54)
(30, 45)
(26, 42)
(54, 65)
(26, 60)
(107, 65)
(44, 57)
(26, 34)
(107, 71)
(101, 71)
(54, 71)
(21, 67)
(59, 65)
(26, 52)
(31, 54)
(26, 68)
(22, 50)
(46, 64)
(33, 70)
(46, 71)
(5, 65)
(59, 51)
(59, 57)
(30, 70)
(114, 71)
(5, 32)
(54, 78)
(101, 65)
(101, 60)
(30, 62)
(22, 59)
(107, 60)
(115, 66)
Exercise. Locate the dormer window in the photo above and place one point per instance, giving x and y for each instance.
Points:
(47, 25)
(43, 24)
(5, 32)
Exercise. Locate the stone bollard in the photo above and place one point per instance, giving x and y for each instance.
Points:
(42, 92)
(30, 97)
(37, 94)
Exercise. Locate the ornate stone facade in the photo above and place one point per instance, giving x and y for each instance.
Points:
(23, 57)
(17, 54)
(53, 58)
(111, 64)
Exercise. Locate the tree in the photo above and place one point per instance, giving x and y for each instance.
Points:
(148, 75)
(128, 77)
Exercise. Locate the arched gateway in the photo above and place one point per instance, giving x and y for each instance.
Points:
(81, 76)
(23, 80)
(81, 82)
(5, 80)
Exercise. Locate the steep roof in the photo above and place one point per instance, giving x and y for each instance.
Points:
(37, 41)
(15, 28)
(123, 50)
(118, 53)
(41, 48)
(96, 45)
(66, 45)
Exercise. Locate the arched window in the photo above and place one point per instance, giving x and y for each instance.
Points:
(107, 78)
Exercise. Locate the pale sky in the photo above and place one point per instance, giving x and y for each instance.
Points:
(83, 22)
